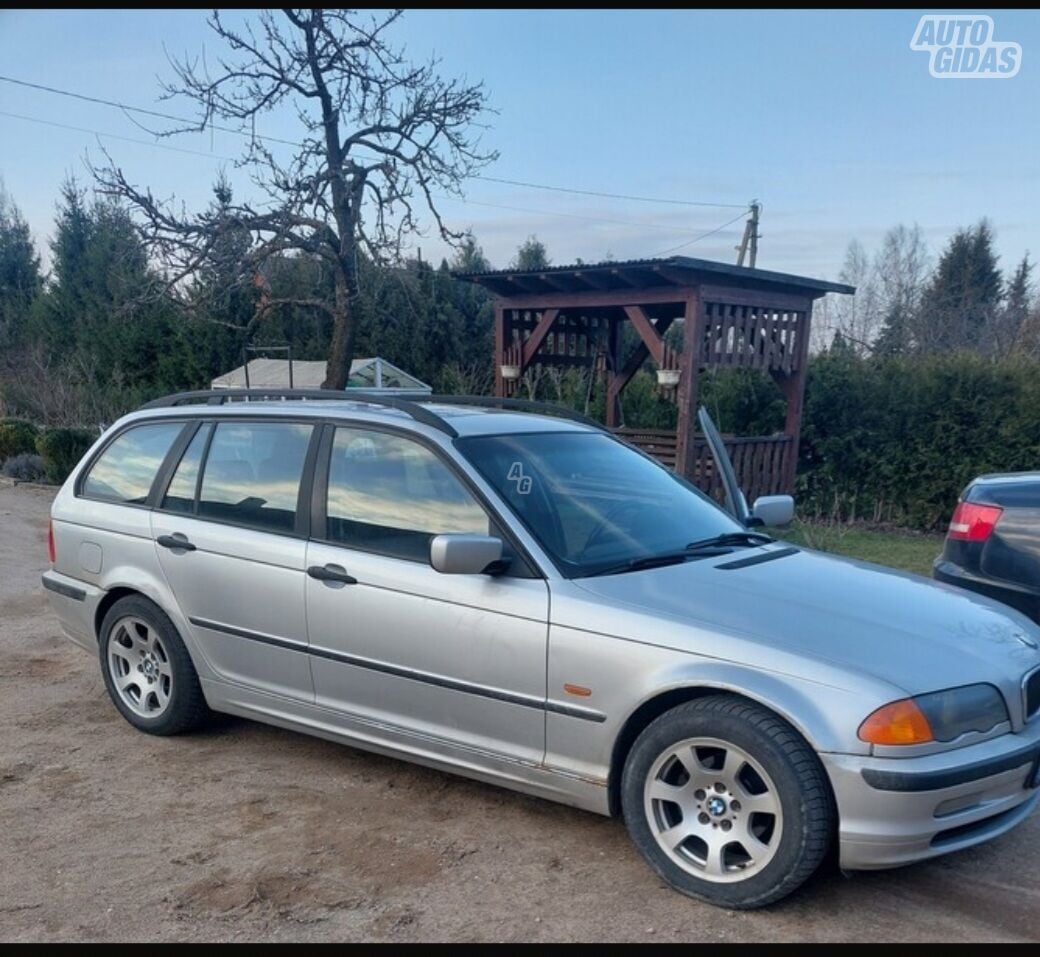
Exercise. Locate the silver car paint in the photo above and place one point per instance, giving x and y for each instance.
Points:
(822, 641)
(481, 632)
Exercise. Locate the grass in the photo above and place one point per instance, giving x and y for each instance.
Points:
(906, 550)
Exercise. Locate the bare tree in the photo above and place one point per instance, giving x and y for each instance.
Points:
(379, 137)
(901, 267)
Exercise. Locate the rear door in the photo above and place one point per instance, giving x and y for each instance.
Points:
(230, 534)
(457, 659)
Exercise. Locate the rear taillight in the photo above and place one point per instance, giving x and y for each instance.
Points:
(974, 523)
(51, 554)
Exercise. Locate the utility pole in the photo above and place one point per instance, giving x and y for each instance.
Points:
(749, 244)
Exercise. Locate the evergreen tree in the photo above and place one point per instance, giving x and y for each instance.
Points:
(20, 278)
(1015, 314)
(961, 302)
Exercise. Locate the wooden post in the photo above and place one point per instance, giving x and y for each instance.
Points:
(689, 366)
(500, 350)
(614, 374)
(793, 387)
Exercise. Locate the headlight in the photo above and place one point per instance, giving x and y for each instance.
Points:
(939, 716)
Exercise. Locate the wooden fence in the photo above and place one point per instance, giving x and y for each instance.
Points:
(759, 461)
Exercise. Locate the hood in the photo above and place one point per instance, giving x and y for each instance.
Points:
(906, 630)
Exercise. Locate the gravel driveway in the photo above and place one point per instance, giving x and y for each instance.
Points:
(249, 832)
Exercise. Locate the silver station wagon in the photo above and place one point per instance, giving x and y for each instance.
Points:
(524, 599)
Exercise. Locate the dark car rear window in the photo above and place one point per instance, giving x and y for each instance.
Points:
(1024, 494)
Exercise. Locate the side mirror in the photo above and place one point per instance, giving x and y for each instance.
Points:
(460, 554)
(773, 510)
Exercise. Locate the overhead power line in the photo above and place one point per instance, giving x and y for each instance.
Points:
(591, 192)
(553, 212)
(697, 239)
(114, 136)
(115, 104)
(454, 199)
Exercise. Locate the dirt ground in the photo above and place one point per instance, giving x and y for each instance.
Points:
(246, 832)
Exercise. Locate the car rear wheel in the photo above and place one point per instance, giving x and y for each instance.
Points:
(147, 670)
(727, 802)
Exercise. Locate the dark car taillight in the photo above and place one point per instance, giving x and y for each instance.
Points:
(51, 554)
(974, 523)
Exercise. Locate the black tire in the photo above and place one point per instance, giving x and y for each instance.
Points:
(805, 800)
(186, 709)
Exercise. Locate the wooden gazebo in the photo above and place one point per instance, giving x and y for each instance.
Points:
(733, 316)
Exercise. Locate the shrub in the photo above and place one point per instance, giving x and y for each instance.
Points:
(25, 467)
(61, 449)
(17, 437)
(896, 439)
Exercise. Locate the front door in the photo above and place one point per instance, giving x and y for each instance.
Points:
(455, 659)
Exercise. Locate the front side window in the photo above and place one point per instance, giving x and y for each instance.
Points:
(391, 495)
(252, 473)
(592, 502)
(126, 469)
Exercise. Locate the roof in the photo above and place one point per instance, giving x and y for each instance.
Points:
(371, 373)
(675, 271)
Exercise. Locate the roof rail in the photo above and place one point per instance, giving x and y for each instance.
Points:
(515, 405)
(222, 396)
(413, 405)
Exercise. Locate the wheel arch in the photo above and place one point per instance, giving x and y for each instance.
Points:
(127, 582)
(797, 717)
(108, 600)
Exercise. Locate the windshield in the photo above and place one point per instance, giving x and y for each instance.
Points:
(592, 502)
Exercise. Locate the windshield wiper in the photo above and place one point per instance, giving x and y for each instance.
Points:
(726, 540)
(731, 538)
(647, 561)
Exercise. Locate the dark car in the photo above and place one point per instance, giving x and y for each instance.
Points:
(993, 543)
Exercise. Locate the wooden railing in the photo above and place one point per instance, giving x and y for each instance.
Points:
(760, 462)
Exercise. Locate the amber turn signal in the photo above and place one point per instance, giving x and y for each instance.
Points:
(901, 722)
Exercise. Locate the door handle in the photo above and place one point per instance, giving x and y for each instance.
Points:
(331, 573)
(177, 541)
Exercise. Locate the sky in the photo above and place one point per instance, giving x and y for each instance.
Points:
(828, 118)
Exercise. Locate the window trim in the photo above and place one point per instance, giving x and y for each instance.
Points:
(84, 472)
(319, 497)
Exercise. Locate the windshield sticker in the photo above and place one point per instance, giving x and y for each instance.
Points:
(523, 482)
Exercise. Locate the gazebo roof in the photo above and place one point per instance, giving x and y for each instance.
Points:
(677, 271)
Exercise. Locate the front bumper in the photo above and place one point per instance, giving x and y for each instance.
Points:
(75, 603)
(895, 811)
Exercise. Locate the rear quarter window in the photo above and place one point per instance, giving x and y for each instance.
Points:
(125, 471)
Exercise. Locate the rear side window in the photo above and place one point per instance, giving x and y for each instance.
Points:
(1025, 494)
(252, 473)
(126, 469)
(391, 495)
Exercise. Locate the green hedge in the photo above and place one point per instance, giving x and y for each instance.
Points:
(61, 449)
(897, 439)
(17, 437)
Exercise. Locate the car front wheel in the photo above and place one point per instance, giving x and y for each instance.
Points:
(727, 802)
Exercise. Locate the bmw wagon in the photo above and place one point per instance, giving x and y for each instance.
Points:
(514, 594)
